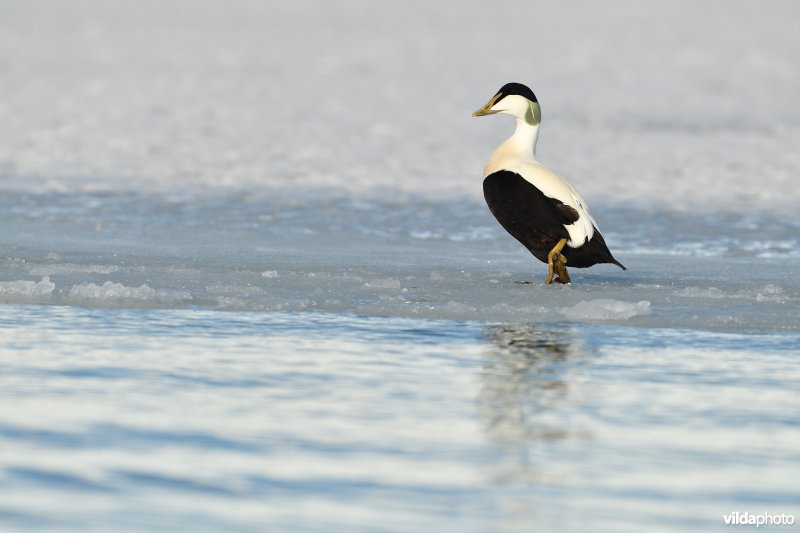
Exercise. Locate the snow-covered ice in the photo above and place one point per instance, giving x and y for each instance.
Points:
(23, 291)
(606, 309)
(113, 294)
(146, 148)
(658, 102)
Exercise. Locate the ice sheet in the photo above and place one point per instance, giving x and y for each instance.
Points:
(643, 103)
(285, 253)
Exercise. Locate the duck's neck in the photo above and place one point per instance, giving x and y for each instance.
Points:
(520, 146)
(523, 142)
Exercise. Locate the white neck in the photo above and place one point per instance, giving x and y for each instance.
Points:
(525, 137)
(520, 146)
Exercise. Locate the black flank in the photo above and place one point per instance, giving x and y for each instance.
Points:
(538, 221)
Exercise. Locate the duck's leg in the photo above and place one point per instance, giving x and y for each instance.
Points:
(560, 265)
(555, 252)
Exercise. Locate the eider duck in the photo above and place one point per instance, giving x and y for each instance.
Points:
(535, 205)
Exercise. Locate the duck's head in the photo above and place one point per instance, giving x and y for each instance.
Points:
(513, 99)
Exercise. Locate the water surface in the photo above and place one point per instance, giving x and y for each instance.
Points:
(212, 421)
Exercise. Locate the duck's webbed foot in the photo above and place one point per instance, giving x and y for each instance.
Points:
(555, 258)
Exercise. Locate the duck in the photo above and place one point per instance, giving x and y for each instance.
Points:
(533, 203)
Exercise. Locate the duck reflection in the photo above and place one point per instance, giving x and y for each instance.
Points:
(525, 391)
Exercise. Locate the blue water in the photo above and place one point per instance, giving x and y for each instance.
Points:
(223, 421)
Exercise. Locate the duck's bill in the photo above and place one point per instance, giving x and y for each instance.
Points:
(487, 109)
(483, 112)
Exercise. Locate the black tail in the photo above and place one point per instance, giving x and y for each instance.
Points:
(593, 252)
(614, 261)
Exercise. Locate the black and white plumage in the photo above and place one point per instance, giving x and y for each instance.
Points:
(535, 205)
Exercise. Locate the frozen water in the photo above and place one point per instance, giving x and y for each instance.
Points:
(117, 293)
(26, 291)
(111, 290)
(248, 281)
(657, 102)
(606, 309)
(271, 252)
